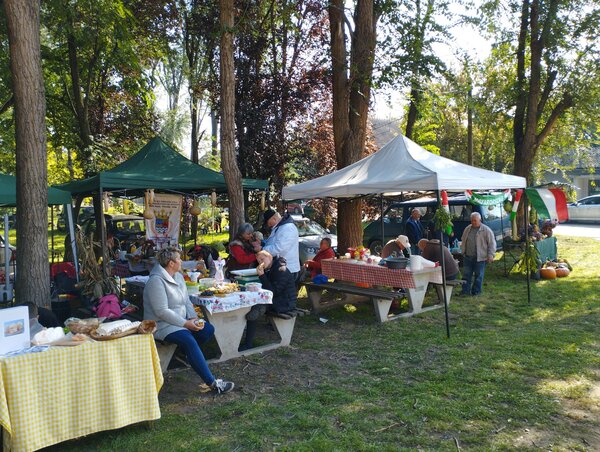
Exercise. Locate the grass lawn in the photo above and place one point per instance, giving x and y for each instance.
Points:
(513, 375)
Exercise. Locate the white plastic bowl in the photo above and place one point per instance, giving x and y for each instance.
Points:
(253, 287)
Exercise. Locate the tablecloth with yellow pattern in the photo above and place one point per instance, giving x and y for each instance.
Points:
(67, 392)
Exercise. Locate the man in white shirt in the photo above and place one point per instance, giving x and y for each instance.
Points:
(284, 240)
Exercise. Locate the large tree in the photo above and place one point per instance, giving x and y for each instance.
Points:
(352, 77)
(231, 171)
(23, 21)
(557, 64)
(407, 58)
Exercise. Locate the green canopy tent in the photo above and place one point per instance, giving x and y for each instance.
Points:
(8, 198)
(8, 193)
(156, 166)
(160, 167)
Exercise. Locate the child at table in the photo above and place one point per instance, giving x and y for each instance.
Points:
(325, 252)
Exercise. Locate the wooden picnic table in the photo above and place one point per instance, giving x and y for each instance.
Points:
(415, 283)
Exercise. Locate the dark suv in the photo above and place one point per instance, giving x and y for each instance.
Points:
(396, 215)
(126, 228)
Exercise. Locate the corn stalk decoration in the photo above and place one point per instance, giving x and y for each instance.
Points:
(92, 283)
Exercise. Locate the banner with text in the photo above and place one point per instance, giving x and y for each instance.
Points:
(163, 229)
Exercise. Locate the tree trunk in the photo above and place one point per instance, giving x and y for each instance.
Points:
(413, 112)
(231, 171)
(531, 97)
(470, 127)
(351, 101)
(33, 278)
(214, 130)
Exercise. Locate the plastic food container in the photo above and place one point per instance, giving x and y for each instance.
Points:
(253, 287)
(207, 282)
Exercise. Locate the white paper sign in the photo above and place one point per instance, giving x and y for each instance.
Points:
(14, 329)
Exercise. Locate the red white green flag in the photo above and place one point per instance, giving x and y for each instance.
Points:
(515, 206)
(550, 203)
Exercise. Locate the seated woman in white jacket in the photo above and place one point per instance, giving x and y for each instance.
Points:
(166, 301)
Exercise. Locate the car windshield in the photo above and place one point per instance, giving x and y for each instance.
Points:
(307, 227)
(134, 226)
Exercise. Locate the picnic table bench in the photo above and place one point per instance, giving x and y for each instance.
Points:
(414, 283)
(382, 299)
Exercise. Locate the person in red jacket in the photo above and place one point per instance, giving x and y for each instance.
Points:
(325, 252)
(242, 249)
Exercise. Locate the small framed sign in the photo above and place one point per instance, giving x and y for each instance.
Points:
(14, 329)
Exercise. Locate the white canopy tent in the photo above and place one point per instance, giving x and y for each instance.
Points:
(401, 165)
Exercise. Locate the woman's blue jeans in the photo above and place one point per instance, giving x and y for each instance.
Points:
(190, 342)
(472, 268)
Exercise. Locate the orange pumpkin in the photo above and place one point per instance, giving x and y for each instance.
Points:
(548, 273)
(561, 272)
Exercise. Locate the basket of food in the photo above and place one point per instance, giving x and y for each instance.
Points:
(115, 330)
(82, 326)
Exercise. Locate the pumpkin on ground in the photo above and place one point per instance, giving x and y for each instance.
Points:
(561, 272)
(548, 273)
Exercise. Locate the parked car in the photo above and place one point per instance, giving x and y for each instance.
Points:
(396, 215)
(126, 228)
(13, 252)
(295, 207)
(310, 234)
(84, 214)
(586, 209)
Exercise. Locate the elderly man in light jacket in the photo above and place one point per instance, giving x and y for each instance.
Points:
(284, 240)
(478, 247)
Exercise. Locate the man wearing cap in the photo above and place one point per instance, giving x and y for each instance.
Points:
(415, 230)
(284, 240)
(399, 247)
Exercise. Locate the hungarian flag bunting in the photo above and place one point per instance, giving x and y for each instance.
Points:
(515, 206)
(550, 203)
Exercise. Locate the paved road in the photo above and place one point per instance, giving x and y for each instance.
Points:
(578, 230)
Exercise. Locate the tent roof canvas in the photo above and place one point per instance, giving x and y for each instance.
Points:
(401, 165)
(158, 166)
(8, 193)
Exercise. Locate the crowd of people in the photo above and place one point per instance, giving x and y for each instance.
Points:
(278, 268)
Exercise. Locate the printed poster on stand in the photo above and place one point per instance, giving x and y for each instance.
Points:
(14, 332)
(163, 229)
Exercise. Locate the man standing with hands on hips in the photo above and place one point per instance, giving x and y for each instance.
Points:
(478, 247)
(283, 241)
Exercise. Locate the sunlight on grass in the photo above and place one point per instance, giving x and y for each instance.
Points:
(576, 387)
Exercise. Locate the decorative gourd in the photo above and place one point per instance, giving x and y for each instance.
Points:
(195, 210)
(148, 213)
(548, 273)
(561, 272)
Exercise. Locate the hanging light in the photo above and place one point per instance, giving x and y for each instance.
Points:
(213, 198)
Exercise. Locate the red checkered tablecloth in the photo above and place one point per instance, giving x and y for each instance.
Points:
(360, 272)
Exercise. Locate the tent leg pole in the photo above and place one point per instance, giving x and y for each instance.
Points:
(52, 231)
(382, 223)
(526, 221)
(502, 229)
(443, 262)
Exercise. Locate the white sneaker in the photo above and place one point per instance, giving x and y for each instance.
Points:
(222, 386)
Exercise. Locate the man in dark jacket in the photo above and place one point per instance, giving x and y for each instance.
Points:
(274, 276)
(414, 230)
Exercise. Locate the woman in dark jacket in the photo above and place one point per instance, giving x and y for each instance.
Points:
(274, 276)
